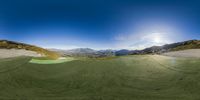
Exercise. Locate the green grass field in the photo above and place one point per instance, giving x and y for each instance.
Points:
(141, 77)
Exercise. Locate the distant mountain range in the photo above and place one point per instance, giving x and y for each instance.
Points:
(191, 44)
(5, 44)
(87, 52)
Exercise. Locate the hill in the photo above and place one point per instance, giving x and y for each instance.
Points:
(190, 44)
(122, 52)
(5, 44)
(179, 46)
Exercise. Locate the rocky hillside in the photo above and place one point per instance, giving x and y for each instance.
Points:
(191, 44)
(5, 44)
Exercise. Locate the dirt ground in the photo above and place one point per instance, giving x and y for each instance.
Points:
(8, 53)
(185, 53)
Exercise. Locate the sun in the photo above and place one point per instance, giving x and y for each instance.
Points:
(157, 39)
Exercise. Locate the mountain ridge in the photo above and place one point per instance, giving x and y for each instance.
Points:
(190, 44)
(88, 52)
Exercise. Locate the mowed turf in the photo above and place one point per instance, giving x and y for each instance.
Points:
(147, 77)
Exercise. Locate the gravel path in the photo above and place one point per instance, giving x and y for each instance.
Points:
(8, 53)
(184, 53)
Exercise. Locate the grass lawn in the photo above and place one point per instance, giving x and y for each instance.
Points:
(142, 77)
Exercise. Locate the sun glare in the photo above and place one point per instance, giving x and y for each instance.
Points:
(157, 39)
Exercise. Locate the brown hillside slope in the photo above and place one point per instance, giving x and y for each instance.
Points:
(192, 44)
(5, 44)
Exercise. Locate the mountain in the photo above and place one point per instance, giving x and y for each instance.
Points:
(5, 44)
(190, 44)
(108, 52)
(82, 51)
(85, 52)
(79, 52)
(122, 52)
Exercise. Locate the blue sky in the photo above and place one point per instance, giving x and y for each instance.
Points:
(99, 24)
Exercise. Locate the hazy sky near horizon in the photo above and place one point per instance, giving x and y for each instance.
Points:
(99, 24)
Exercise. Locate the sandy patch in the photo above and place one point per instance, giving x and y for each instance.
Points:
(9, 53)
(194, 53)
